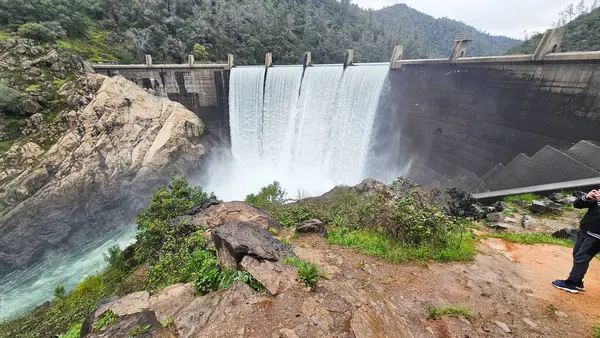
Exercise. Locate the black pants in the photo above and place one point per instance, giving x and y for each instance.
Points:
(586, 247)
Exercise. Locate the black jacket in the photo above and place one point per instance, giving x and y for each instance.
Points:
(591, 220)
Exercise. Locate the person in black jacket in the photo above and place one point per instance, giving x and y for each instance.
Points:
(587, 245)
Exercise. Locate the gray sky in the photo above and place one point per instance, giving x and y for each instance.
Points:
(499, 17)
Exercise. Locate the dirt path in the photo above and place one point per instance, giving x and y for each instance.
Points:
(540, 264)
(506, 287)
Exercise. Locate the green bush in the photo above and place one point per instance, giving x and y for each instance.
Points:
(597, 330)
(44, 32)
(167, 204)
(273, 194)
(434, 313)
(207, 273)
(59, 292)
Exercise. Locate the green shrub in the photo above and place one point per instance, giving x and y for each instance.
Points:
(106, 320)
(74, 332)
(268, 196)
(139, 330)
(597, 330)
(167, 204)
(207, 273)
(434, 313)
(230, 277)
(44, 32)
(59, 292)
(308, 273)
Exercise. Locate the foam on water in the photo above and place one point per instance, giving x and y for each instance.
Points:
(23, 290)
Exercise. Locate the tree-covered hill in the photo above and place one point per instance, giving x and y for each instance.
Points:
(581, 34)
(435, 36)
(125, 30)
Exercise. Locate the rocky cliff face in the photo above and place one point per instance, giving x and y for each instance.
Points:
(100, 173)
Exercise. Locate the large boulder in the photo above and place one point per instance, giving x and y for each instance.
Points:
(213, 215)
(121, 146)
(276, 277)
(234, 240)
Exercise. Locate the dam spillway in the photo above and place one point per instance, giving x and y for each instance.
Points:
(309, 129)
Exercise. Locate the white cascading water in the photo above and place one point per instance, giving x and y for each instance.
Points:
(310, 134)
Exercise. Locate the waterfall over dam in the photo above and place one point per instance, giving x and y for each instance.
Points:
(308, 129)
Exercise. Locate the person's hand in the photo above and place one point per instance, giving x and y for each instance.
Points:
(593, 195)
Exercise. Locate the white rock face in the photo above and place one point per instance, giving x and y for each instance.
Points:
(118, 149)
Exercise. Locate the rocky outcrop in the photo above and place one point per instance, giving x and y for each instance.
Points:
(101, 172)
(213, 215)
(235, 240)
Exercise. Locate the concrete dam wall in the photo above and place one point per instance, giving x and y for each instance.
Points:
(203, 89)
(468, 117)
(481, 124)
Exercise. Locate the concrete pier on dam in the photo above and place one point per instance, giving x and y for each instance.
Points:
(476, 123)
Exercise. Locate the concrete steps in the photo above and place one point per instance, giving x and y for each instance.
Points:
(586, 152)
(549, 165)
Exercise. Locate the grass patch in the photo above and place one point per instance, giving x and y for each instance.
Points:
(435, 313)
(140, 330)
(4, 35)
(93, 46)
(597, 330)
(379, 245)
(527, 198)
(32, 88)
(5, 145)
(74, 332)
(533, 239)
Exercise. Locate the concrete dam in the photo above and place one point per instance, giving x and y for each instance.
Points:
(477, 123)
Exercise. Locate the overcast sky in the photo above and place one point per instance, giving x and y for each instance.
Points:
(499, 17)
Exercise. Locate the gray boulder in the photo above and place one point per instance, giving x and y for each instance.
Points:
(313, 226)
(545, 207)
(527, 221)
(234, 240)
(566, 233)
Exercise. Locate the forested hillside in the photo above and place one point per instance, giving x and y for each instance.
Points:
(125, 30)
(433, 37)
(582, 34)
